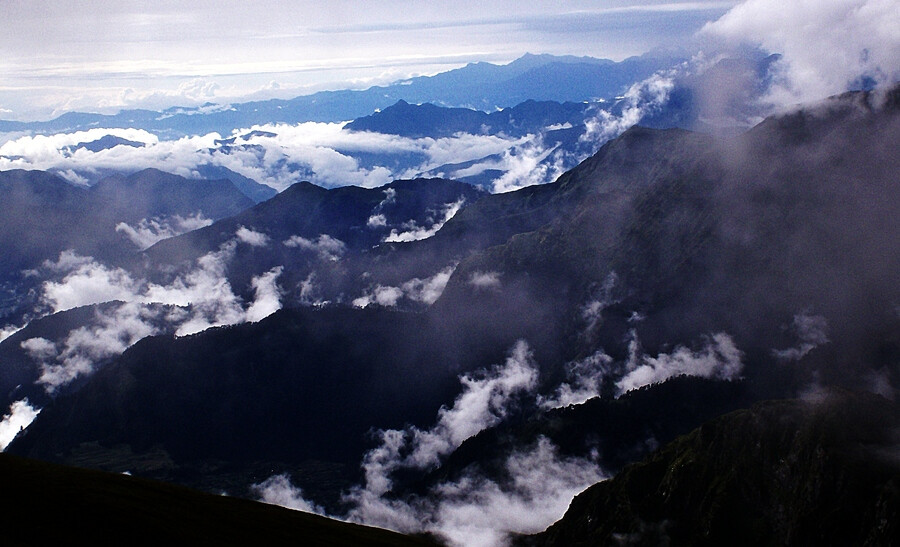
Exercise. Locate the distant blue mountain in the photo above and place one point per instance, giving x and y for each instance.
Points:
(428, 120)
(104, 143)
(482, 86)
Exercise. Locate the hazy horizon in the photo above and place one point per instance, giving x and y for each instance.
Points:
(101, 56)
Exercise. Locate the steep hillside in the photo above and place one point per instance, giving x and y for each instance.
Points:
(784, 472)
(51, 504)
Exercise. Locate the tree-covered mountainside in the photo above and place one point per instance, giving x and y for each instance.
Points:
(814, 472)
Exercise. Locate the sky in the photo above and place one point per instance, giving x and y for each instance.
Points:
(101, 56)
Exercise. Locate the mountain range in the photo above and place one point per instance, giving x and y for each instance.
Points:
(436, 338)
(483, 86)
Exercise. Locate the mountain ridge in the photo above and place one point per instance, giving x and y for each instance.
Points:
(453, 88)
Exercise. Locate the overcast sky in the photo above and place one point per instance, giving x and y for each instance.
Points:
(95, 55)
(104, 55)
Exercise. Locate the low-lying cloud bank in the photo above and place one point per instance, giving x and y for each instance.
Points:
(535, 484)
(329, 155)
(273, 154)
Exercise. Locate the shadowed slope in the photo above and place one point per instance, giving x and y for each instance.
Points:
(54, 505)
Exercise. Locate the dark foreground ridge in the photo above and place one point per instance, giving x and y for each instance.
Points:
(822, 472)
(48, 504)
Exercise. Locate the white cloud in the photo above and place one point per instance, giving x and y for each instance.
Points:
(83, 348)
(416, 233)
(39, 348)
(641, 99)
(49, 148)
(584, 379)
(811, 331)
(278, 490)
(8, 330)
(483, 403)
(148, 232)
(592, 311)
(51, 153)
(381, 295)
(719, 359)
(73, 177)
(376, 221)
(425, 291)
(267, 298)
(537, 487)
(252, 237)
(428, 290)
(273, 154)
(86, 283)
(20, 416)
(479, 512)
(205, 290)
(327, 247)
(309, 292)
(68, 260)
(390, 197)
(485, 280)
(526, 166)
(202, 298)
(826, 45)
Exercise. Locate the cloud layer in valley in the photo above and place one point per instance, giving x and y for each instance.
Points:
(535, 483)
(190, 302)
(323, 153)
(534, 490)
(329, 155)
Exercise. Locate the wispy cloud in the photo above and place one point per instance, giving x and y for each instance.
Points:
(425, 291)
(584, 380)
(327, 247)
(20, 416)
(251, 237)
(828, 46)
(485, 280)
(473, 510)
(278, 490)
(414, 232)
(85, 347)
(148, 232)
(533, 489)
(719, 358)
(811, 332)
(192, 301)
